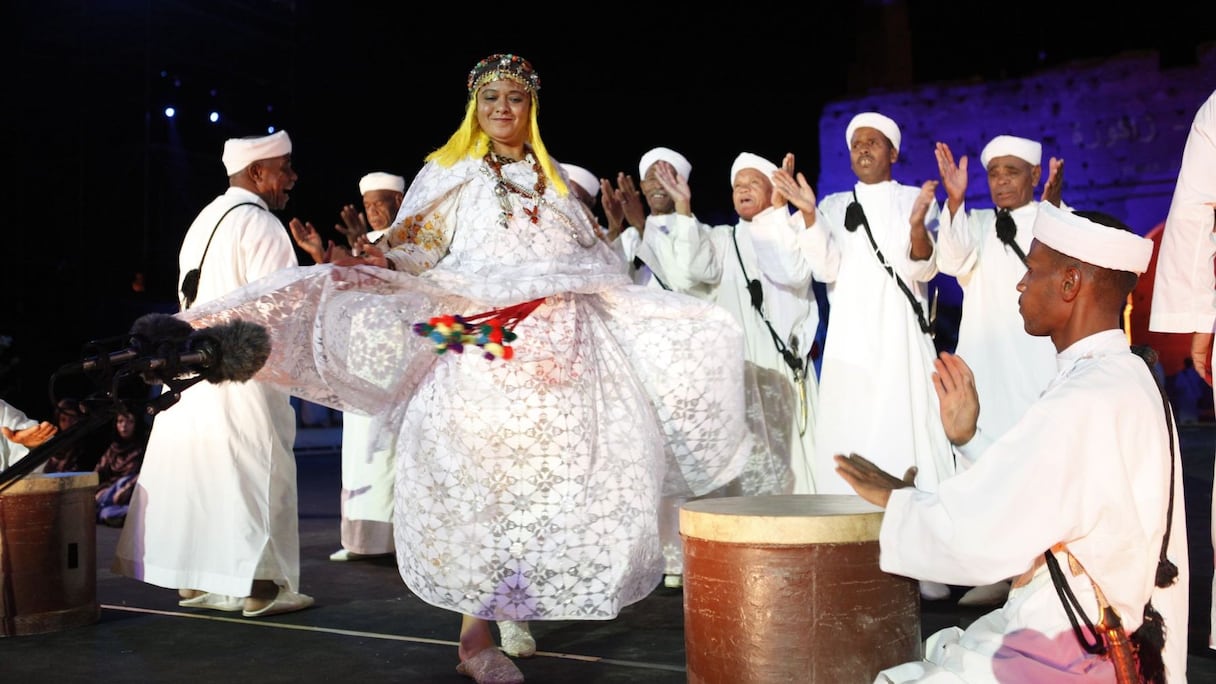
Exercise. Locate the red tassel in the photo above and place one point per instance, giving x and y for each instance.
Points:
(508, 317)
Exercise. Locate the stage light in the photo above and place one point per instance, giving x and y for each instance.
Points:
(170, 112)
(270, 129)
(214, 117)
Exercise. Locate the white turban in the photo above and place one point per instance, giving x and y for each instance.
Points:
(1028, 151)
(583, 178)
(664, 154)
(1091, 242)
(379, 180)
(883, 124)
(241, 152)
(747, 160)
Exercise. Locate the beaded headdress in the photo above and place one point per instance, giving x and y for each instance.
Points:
(500, 66)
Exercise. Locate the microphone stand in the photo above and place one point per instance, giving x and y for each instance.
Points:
(60, 442)
(99, 411)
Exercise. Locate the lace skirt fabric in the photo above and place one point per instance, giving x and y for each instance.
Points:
(528, 488)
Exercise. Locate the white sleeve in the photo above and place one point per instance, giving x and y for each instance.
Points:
(958, 242)
(1183, 292)
(686, 254)
(15, 419)
(418, 241)
(922, 270)
(774, 233)
(817, 243)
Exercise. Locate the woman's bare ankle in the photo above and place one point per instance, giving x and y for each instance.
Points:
(475, 638)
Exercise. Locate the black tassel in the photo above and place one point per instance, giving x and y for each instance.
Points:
(1148, 642)
(756, 292)
(854, 216)
(1006, 229)
(1167, 572)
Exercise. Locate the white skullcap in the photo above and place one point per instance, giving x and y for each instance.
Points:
(747, 160)
(241, 152)
(1028, 151)
(883, 124)
(378, 180)
(664, 154)
(1091, 242)
(584, 179)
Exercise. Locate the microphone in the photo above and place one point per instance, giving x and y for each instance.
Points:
(147, 332)
(231, 352)
(162, 347)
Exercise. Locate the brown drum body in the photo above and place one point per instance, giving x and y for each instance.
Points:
(48, 553)
(788, 589)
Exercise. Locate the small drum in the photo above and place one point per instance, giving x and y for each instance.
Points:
(48, 553)
(788, 589)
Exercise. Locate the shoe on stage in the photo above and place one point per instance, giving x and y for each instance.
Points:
(934, 591)
(344, 555)
(228, 604)
(517, 640)
(490, 666)
(285, 602)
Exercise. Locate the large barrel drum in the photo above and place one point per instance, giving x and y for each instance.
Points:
(48, 553)
(788, 589)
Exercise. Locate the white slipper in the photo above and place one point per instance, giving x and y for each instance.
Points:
(285, 602)
(228, 604)
(934, 591)
(344, 555)
(517, 640)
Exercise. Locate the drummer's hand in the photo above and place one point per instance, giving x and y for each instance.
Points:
(32, 436)
(869, 481)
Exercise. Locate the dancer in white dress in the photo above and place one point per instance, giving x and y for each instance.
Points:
(529, 473)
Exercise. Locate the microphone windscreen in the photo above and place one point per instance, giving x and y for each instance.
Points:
(241, 347)
(159, 327)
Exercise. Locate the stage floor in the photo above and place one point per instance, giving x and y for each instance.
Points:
(367, 627)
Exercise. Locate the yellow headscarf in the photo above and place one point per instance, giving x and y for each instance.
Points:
(470, 141)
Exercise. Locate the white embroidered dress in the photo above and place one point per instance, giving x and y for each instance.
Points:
(526, 488)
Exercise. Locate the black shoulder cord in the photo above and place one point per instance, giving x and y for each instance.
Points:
(1072, 607)
(190, 282)
(1166, 574)
(853, 218)
(638, 263)
(756, 292)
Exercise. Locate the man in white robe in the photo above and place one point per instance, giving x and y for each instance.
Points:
(645, 239)
(366, 526)
(1184, 293)
(875, 395)
(1092, 472)
(986, 257)
(874, 388)
(1011, 367)
(779, 316)
(215, 512)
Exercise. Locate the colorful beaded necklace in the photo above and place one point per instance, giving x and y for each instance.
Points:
(503, 186)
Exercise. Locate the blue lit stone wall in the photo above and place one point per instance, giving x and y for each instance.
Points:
(1119, 125)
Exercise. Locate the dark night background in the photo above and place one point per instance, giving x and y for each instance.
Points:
(101, 186)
